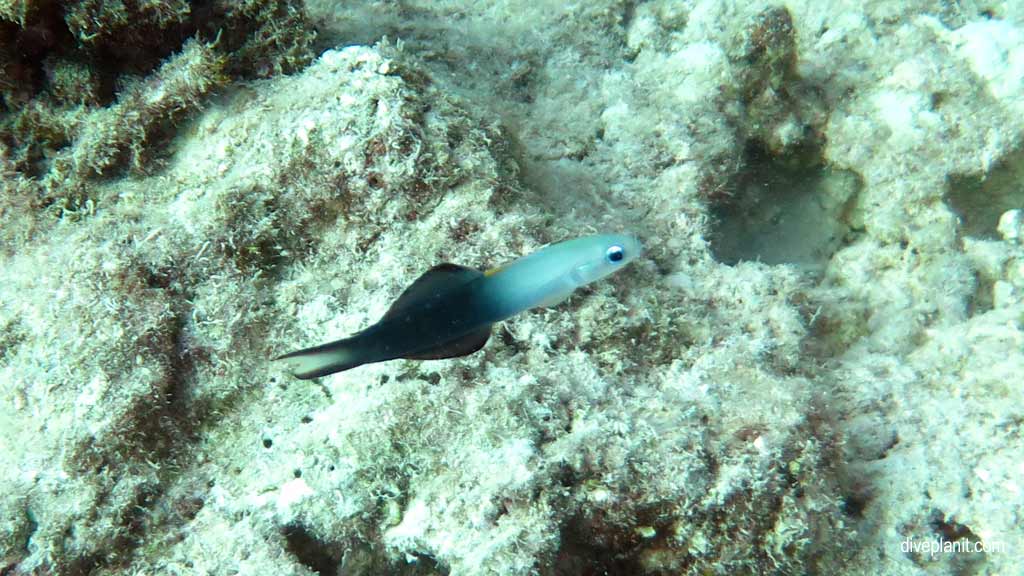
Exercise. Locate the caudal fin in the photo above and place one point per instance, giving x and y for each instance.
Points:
(322, 360)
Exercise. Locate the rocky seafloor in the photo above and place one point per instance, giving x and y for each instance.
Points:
(815, 368)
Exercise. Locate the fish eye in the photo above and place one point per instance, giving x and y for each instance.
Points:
(614, 254)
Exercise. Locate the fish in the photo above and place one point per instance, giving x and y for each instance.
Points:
(450, 310)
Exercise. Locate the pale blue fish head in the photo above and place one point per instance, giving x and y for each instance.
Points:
(602, 255)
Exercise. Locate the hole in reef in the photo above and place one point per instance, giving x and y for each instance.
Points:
(971, 557)
(328, 559)
(979, 200)
(855, 502)
(949, 529)
(981, 301)
(785, 210)
(580, 554)
(593, 544)
(312, 553)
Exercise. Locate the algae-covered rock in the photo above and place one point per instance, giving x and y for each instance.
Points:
(813, 368)
(87, 85)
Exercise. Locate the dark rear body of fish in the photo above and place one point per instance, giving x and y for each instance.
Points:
(446, 321)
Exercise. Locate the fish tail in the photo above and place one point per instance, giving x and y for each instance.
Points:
(324, 359)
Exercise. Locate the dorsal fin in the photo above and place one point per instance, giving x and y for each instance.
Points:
(438, 279)
(461, 346)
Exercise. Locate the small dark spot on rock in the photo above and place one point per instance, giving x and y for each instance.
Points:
(267, 442)
(188, 508)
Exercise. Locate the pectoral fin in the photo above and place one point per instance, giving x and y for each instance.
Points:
(555, 298)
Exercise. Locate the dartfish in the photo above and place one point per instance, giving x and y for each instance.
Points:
(449, 310)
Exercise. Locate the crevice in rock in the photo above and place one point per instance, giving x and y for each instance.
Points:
(980, 199)
(793, 210)
(318, 556)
